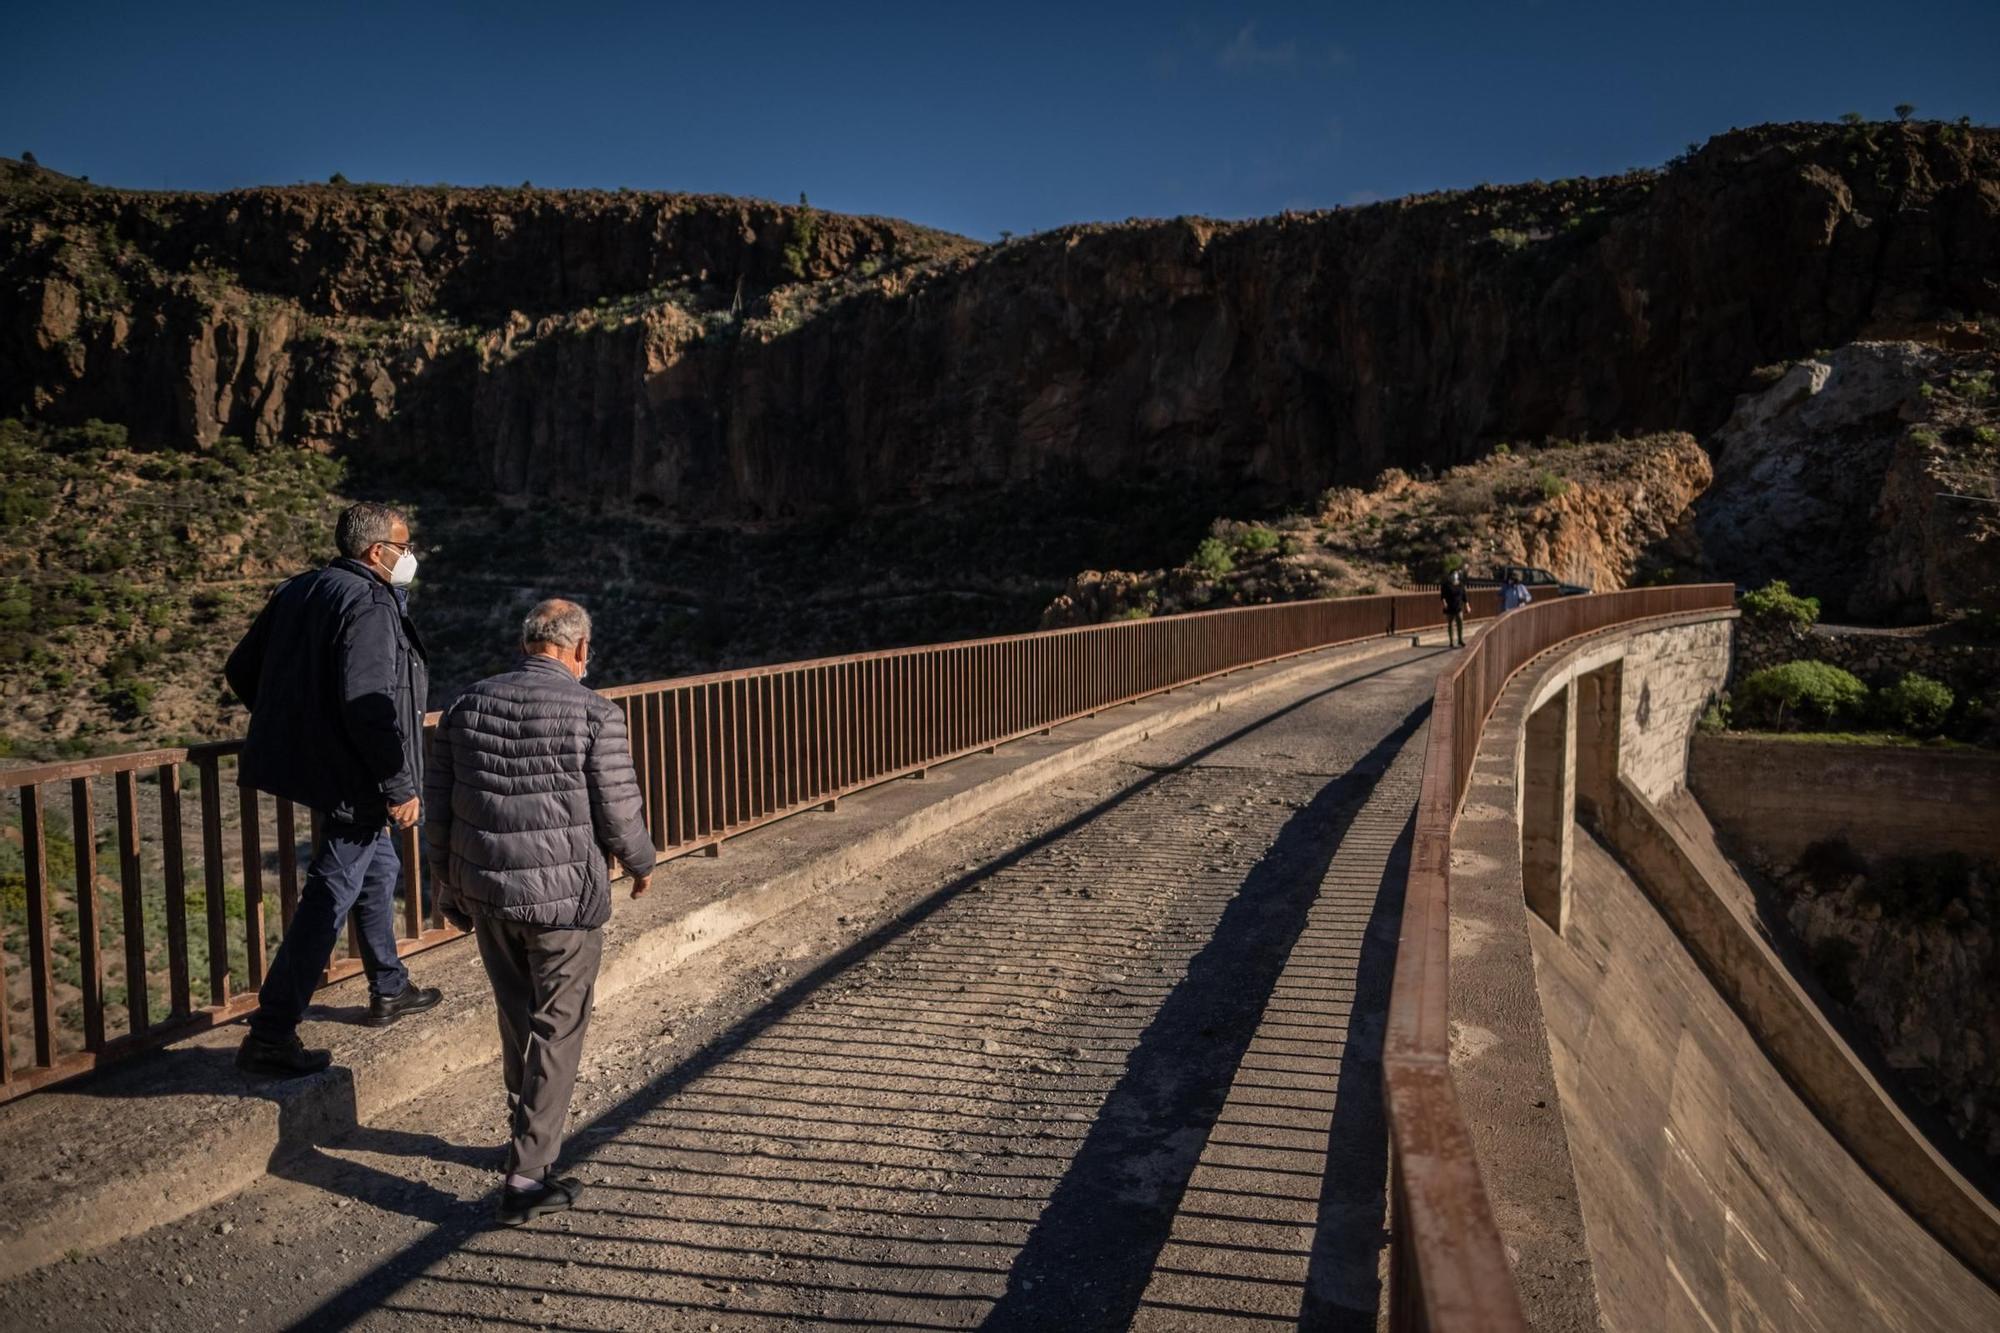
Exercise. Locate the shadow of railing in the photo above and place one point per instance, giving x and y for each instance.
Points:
(776, 1134)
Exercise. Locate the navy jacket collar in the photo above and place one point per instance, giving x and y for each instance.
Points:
(350, 566)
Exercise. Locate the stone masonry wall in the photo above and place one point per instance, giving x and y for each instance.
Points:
(1671, 675)
(1878, 658)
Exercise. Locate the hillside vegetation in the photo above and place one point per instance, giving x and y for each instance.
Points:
(1604, 515)
(743, 431)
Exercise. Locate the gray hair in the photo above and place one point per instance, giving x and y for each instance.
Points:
(362, 525)
(555, 621)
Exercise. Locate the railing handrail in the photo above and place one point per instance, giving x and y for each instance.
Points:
(1448, 1264)
(104, 765)
(717, 755)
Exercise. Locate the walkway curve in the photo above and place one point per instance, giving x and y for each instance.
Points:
(1121, 1069)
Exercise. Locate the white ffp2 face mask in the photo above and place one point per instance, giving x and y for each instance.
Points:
(404, 572)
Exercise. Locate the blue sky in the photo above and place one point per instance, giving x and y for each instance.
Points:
(972, 118)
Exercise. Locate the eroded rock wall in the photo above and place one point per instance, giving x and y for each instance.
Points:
(1269, 358)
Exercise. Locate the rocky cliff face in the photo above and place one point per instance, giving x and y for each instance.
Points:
(1907, 947)
(1866, 476)
(724, 358)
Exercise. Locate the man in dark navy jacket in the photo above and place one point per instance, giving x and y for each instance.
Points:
(335, 677)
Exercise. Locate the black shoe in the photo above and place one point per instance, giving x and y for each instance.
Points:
(382, 1012)
(275, 1058)
(520, 1206)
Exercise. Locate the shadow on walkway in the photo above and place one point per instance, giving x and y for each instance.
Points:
(1227, 987)
(1087, 1262)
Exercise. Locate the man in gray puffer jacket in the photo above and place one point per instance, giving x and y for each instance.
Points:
(530, 794)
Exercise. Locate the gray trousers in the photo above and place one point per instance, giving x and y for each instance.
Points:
(543, 982)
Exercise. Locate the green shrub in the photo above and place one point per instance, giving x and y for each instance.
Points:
(1977, 387)
(1552, 486)
(1258, 540)
(1798, 694)
(1714, 718)
(799, 249)
(1775, 604)
(131, 698)
(1212, 557)
(1915, 705)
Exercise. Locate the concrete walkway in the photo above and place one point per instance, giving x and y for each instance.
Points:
(1103, 1056)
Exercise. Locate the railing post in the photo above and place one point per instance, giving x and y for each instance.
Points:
(89, 921)
(253, 886)
(41, 980)
(213, 887)
(180, 985)
(138, 1017)
(410, 855)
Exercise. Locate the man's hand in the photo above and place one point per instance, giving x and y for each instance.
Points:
(640, 883)
(405, 815)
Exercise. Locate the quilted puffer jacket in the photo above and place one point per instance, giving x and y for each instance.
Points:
(530, 784)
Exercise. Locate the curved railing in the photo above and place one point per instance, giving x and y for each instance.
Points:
(1448, 1267)
(182, 943)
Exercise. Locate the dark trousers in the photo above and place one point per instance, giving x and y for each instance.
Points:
(354, 869)
(1454, 627)
(543, 983)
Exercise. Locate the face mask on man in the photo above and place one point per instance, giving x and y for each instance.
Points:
(404, 572)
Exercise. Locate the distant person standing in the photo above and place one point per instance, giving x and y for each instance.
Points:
(1454, 595)
(532, 794)
(1513, 592)
(335, 677)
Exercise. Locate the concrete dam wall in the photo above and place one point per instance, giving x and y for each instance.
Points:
(1732, 1163)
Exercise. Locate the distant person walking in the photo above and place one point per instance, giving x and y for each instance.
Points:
(1453, 592)
(1513, 592)
(532, 794)
(335, 677)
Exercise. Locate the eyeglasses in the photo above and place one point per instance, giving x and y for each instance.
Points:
(410, 546)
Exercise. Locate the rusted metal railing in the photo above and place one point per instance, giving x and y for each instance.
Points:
(177, 947)
(183, 943)
(1448, 1269)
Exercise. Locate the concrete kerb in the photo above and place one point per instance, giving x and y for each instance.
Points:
(148, 1142)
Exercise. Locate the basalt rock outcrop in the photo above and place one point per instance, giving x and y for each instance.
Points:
(1866, 476)
(723, 358)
